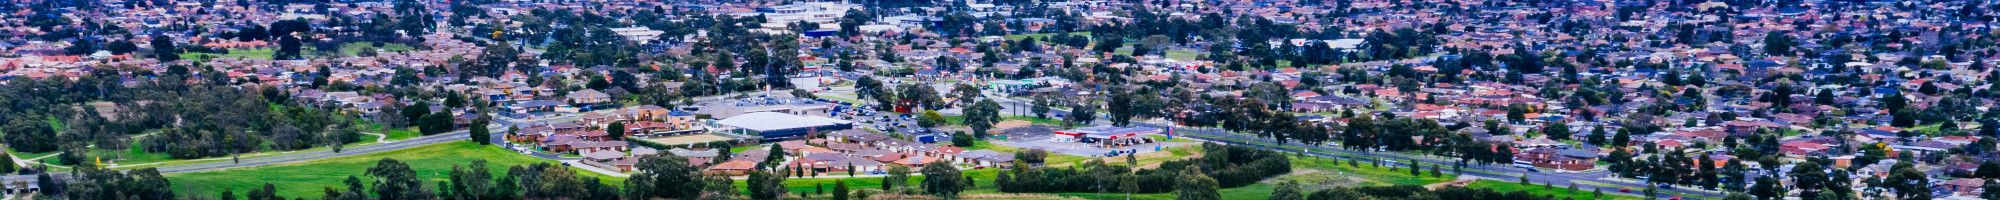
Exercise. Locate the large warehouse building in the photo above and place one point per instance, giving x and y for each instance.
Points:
(773, 126)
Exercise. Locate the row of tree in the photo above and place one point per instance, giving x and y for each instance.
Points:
(1229, 166)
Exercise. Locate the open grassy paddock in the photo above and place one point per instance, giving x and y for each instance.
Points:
(307, 179)
(1560, 191)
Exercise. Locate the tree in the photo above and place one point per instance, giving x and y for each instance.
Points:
(1988, 169)
(9, 167)
(1287, 190)
(1623, 138)
(415, 112)
(1193, 185)
(1990, 185)
(898, 176)
(1778, 43)
(920, 96)
(269, 192)
(435, 123)
(777, 154)
(454, 100)
(473, 183)
(960, 139)
(164, 50)
(396, 181)
(1596, 136)
(1120, 107)
(964, 94)
(615, 129)
(1767, 187)
(1416, 170)
(288, 48)
(942, 180)
(764, 185)
(930, 119)
(1436, 173)
(1557, 131)
(1908, 182)
(664, 176)
(982, 116)
(30, 134)
(840, 190)
(1082, 114)
(1041, 107)
(479, 133)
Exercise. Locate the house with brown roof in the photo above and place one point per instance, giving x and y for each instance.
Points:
(1557, 159)
(732, 168)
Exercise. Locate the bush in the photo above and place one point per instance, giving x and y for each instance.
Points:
(960, 139)
(1230, 166)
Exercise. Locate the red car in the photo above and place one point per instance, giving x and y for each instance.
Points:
(1625, 190)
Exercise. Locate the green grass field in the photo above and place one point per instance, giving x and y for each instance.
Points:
(399, 134)
(307, 179)
(132, 155)
(1182, 55)
(1364, 174)
(350, 49)
(1560, 191)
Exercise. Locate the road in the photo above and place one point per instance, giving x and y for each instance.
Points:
(1584, 180)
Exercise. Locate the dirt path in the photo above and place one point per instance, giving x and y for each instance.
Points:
(18, 161)
(379, 138)
(1461, 182)
(1147, 160)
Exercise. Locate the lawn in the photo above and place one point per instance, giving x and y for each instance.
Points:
(396, 134)
(1182, 55)
(309, 178)
(740, 149)
(1164, 138)
(133, 155)
(1560, 191)
(350, 49)
(1364, 174)
(25, 156)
